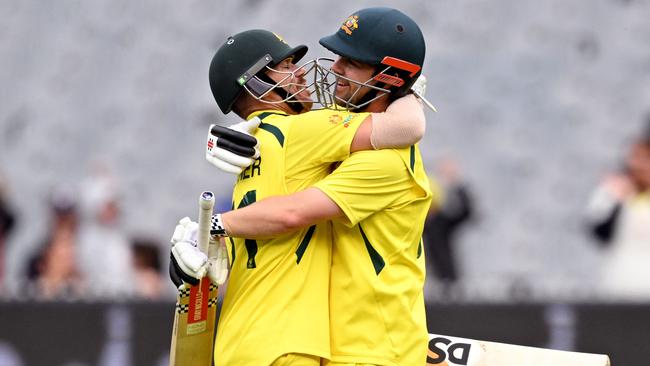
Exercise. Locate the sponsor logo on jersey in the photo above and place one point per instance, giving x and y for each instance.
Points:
(337, 119)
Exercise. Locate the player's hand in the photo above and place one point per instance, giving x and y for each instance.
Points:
(217, 262)
(187, 263)
(232, 149)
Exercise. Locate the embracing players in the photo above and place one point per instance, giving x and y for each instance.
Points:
(303, 289)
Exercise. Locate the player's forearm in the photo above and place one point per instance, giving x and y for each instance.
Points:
(264, 219)
(402, 125)
(279, 215)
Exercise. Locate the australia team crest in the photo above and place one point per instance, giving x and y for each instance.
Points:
(350, 24)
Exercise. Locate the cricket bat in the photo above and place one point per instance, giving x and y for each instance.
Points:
(454, 351)
(196, 307)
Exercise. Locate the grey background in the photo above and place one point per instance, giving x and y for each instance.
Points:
(536, 100)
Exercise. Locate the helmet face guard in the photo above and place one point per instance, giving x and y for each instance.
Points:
(325, 81)
(243, 57)
(259, 85)
(320, 82)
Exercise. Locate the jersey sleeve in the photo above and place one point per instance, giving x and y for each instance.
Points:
(368, 182)
(323, 136)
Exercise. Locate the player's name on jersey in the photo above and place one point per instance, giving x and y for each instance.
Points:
(253, 170)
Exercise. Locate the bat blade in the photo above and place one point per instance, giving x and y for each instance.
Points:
(196, 306)
(454, 351)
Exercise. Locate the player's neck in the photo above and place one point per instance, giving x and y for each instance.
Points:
(255, 105)
(378, 105)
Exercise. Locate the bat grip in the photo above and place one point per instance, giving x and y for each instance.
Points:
(425, 101)
(206, 205)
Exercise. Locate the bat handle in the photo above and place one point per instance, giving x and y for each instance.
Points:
(206, 205)
(425, 101)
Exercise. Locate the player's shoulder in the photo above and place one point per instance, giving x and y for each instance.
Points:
(274, 117)
(389, 154)
(331, 117)
(388, 160)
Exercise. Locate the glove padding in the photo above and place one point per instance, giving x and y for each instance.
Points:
(188, 264)
(233, 149)
(217, 262)
(187, 261)
(420, 86)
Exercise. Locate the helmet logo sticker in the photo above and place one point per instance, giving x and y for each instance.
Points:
(350, 24)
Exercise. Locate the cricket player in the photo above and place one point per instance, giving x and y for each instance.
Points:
(276, 309)
(379, 200)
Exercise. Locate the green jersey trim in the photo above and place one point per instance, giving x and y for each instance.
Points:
(375, 257)
(304, 243)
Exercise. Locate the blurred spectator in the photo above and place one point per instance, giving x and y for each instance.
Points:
(149, 282)
(7, 222)
(9, 355)
(53, 271)
(450, 209)
(105, 256)
(619, 218)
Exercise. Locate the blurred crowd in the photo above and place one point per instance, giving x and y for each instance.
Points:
(7, 222)
(85, 251)
(451, 210)
(618, 218)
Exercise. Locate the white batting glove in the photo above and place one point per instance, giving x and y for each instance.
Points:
(233, 149)
(217, 262)
(420, 86)
(186, 256)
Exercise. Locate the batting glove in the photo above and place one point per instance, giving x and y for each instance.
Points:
(420, 86)
(232, 149)
(187, 262)
(217, 262)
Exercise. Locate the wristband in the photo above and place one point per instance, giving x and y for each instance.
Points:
(217, 230)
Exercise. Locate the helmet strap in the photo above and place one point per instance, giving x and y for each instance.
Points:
(372, 94)
(367, 98)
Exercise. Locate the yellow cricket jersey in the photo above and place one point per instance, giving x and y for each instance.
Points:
(377, 311)
(437, 193)
(277, 296)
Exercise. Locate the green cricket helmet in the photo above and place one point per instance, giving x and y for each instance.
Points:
(383, 37)
(240, 64)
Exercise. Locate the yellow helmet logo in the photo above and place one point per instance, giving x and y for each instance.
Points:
(350, 24)
(279, 38)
